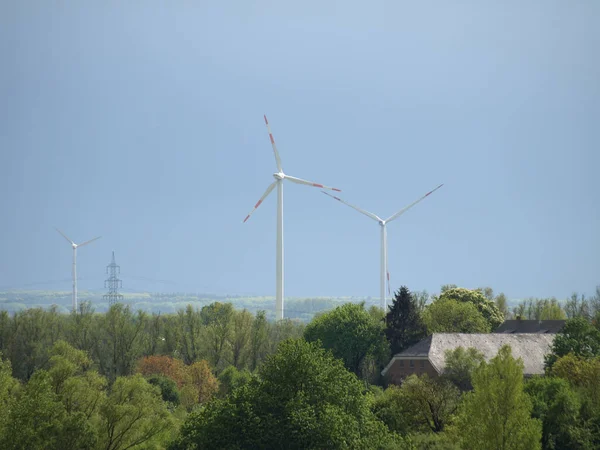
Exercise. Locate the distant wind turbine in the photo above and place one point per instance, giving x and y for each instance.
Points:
(75, 246)
(279, 177)
(383, 224)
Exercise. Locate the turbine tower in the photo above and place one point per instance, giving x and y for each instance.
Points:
(75, 246)
(383, 224)
(279, 177)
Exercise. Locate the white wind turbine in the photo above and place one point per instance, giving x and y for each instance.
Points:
(75, 246)
(279, 177)
(383, 224)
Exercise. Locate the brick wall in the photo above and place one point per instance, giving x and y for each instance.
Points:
(405, 367)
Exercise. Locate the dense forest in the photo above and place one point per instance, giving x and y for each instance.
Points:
(216, 376)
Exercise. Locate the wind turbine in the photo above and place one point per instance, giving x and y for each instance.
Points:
(75, 246)
(279, 177)
(383, 224)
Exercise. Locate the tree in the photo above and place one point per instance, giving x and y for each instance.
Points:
(133, 414)
(258, 340)
(557, 406)
(460, 365)
(232, 378)
(304, 398)
(118, 341)
(496, 414)
(451, 316)
(502, 304)
(8, 389)
(578, 337)
(168, 388)
(164, 365)
(485, 306)
(203, 380)
(577, 307)
(432, 401)
(38, 420)
(242, 327)
(404, 326)
(217, 319)
(350, 333)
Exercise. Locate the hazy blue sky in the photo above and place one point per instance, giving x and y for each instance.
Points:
(142, 121)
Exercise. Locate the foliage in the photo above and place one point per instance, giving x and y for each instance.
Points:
(164, 365)
(496, 414)
(432, 401)
(133, 414)
(38, 420)
(168, 388)
(485, 306)
(351, 333)
(420, 405)
(578, 337)
(451, 316)
(539, 309)
(404, 326)
(232, 378)
(304, 398)
(557, 405)
(203, 381)
(460, 365)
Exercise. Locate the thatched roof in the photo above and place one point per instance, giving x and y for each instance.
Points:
(530, 347)
(531, 326)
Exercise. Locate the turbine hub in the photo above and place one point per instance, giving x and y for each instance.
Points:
(382, 223)
(279, 175)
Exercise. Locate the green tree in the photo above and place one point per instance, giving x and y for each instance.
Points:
(350, 333)
(460, 365)
(258, 340)
(118, 341)
(8, 389)
(404, 326)
(451, 316)
(578, 337)
(557, 405)
(231, 378)
(303, 399)
(496, 414)
(38, 420)
(217, 319)
(32, 334)
(431, 401)
(485, 306)
(168, 388)
(240, 337)
(133, 414)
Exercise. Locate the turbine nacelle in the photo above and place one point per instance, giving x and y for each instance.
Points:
(279, 175)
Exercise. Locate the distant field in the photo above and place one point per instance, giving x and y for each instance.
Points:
(298, 308)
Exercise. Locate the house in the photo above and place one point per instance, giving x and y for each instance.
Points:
(428, 356)
(531, 326)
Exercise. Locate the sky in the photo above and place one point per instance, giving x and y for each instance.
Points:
(142, 122)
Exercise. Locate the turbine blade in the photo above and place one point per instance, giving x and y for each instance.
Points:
(403, 210)
(275, 152)
(267, 192)
(65, 236)
(87, 242)
(310, 183)
(362, 211)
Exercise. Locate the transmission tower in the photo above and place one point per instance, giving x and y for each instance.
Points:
(113, 283)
